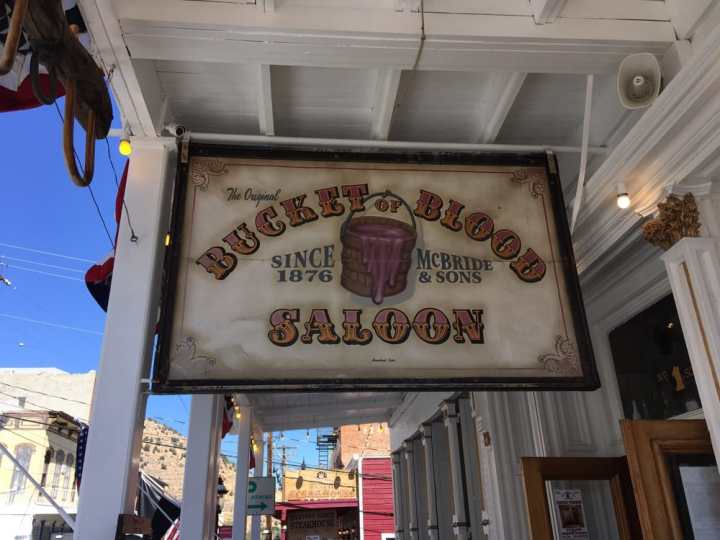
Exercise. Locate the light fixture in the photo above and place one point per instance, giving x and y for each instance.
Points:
(623, 199)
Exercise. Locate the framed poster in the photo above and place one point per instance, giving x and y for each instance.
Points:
(296, 270)
(572, 524)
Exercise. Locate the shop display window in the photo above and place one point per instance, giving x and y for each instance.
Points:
(652, 364)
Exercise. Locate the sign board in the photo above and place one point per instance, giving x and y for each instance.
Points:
(261, 496)
(331, 272)
(311, 484)
(571, 514)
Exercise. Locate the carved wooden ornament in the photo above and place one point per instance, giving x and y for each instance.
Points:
(677, 218)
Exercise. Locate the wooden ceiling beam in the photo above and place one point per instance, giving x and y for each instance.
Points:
(235, 33)
(266, 119)
(386, 92)
(500, 106)
(141, 103)
(546, 11)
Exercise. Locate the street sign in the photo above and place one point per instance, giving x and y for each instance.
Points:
(261, 496)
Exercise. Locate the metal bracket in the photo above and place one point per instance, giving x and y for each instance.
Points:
(185, 147)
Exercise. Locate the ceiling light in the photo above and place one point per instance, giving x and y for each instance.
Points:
(125, 146)
(623, 199)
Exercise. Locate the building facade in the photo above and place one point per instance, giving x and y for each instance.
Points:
(45, 444)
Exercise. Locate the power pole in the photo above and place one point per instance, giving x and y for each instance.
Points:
(268, 519)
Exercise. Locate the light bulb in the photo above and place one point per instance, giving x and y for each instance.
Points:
(125, 147)
(623, 200)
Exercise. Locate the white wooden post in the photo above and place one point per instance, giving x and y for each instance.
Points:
(198, 514)
(693, 266)
(451, 420)
(110, 473)
(256, 520)
(398, 496)
(494, 528)
(432, 522)
(241, 473)
(412, 513)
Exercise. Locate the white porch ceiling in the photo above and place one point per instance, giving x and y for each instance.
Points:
(277, 412)
(503, 71)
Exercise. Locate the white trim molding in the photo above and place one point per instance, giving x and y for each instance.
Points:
(693, 265)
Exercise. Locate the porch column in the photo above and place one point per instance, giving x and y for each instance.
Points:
(693, 266)
(432, 522)
(258, 471)
(412, 503)
(493, 528)
(398, 496)
(199, 503)
(110, 472)
(241, 473)
(460, 520)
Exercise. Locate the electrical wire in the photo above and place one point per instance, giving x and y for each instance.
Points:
(43, 252)
(149, 440)
(92, 195)
(55, 266)
(43, 408)
(133, 236)
(17, 387)
(51, 324)
(23, 269)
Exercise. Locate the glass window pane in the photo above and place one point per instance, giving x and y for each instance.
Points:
(652, 364)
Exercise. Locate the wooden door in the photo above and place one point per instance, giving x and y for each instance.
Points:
(653, 449)
(538, 471)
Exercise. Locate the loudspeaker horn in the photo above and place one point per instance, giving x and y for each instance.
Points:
(639, 80)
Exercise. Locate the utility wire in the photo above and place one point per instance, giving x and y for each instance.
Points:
(17, 387)
(92, 195)
(43, 272)
(50, 324)
(55, 266)
(133, 236)
(42, 252)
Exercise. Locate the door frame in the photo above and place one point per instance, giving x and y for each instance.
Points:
(538, 470)
(647, 443)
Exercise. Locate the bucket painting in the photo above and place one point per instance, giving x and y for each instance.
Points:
(377, 253)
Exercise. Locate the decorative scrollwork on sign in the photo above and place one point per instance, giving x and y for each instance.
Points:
(202, 169)
(677, 218)
(564, 361)
(534, 181)
(186, 360)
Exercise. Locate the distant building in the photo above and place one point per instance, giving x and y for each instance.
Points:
(44, 443)
(377, 520)
(356, 441)
(47, 389)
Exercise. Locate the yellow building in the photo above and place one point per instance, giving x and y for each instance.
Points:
(44, 442)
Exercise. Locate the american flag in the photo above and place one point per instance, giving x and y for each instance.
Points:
(99, 277)
(80, 453)
(15, 88)
(173, 533)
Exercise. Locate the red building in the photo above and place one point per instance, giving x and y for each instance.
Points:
(376, 498)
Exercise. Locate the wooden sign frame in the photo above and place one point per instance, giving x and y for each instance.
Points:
(582, 357)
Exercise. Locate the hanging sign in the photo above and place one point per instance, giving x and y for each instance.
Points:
(261, 496)
(319, 271)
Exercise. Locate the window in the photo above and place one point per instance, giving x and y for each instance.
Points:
(59, 464)
(23, 453)
(49, 453)
(66, 474)
(652, 364)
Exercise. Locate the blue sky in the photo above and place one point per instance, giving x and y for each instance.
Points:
(47, 316)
